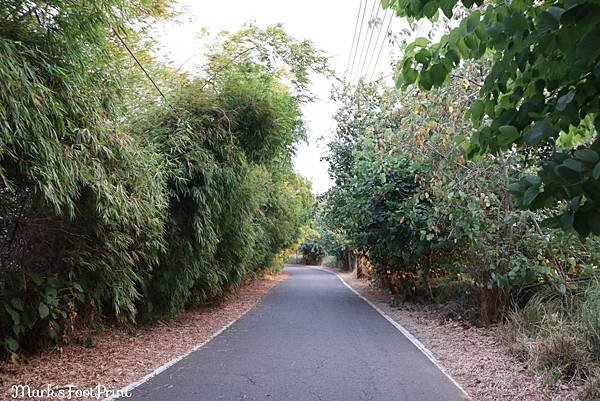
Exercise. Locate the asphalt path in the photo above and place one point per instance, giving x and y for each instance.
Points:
(310, 339)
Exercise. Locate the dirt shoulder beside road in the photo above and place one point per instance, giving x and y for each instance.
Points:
(474, 356)
(120, 357)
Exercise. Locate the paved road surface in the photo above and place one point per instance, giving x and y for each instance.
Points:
(310, 339)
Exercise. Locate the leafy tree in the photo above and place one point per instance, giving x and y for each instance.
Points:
(229, 138)
(292, 60)
(312, 251)
(373, 202)
(430, 221)
(542, 93)
(331, 237)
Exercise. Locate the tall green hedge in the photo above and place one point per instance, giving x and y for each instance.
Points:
(118, 204)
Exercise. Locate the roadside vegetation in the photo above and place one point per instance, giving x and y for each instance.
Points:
(475, 181)
(130, 191)
(126, 199)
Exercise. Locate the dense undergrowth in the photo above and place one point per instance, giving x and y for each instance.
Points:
(560, 337)
(120, 203)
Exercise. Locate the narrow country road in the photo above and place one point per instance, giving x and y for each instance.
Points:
(310, 339)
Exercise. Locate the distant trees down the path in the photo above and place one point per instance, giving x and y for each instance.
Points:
(125, 199)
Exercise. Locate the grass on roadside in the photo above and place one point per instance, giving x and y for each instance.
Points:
(561, 337)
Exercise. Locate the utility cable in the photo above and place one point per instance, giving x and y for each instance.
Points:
(369, 44)
(140, 65)
(353, 39)
(381, 29)
(365, 41)
(387, 30)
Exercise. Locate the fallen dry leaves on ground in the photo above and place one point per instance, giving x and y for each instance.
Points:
(120, 357)
(474, 356)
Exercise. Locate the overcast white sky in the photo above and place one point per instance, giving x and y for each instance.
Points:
(327, 23)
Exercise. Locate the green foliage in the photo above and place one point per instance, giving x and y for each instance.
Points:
(541, 94)
(312, 251)
(381, 185)
(48, 307)
(374, 208)
(274, 49)
(426, 218)
(330, 236)
(229, 169)
(80, 208)
(116, 201)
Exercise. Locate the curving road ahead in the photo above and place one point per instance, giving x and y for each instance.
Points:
(309, 339)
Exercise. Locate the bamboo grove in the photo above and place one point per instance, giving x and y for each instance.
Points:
(120, 203)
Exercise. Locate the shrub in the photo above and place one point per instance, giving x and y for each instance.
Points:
(559, 353)
(312, 251)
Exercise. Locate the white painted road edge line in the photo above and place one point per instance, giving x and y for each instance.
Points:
(173, 361)
(405, 332)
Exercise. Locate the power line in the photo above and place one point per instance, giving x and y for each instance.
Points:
(384, 77)
(353, 38)
(140, 65)
(419, 28)
(376, 42)
(382, 45)
(364, 47)
(369, 44)
(364, 13)
(387, 30)
(365, 41)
